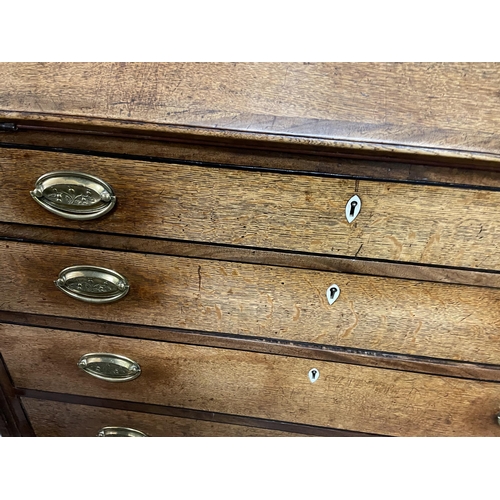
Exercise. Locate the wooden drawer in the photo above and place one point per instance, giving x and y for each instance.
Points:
(371, 400)
(53, 418)
(401, 222)
(383, 314)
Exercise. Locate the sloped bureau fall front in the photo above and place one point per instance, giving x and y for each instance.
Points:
(163, 278)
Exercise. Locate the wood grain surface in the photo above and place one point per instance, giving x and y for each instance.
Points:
(350, 397)
(183, 414)
(91, 239)
(383, 314)
(398, 222)
(421, 105)
(55, 419)
(317, 160)
(402, 362)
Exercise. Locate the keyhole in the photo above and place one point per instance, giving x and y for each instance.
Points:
(313, 375)
(352, 208)
(354, 204)
(332, 293)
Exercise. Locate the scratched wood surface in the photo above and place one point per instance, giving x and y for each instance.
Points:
(402, 362)
(398, 222)
(423, 105)
(56, 419)
(349, 397)
(289, 428)
(106, 241)
(382, 314)
(483, 173)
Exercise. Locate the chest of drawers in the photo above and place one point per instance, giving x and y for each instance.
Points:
(303, 277)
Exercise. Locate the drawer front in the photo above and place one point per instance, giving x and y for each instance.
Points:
(355, 398)
(422, 224)
(384, 314)
(52, 418)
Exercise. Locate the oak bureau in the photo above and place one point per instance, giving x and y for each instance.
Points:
(249, 249)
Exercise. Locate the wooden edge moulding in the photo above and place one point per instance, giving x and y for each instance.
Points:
(101, 134)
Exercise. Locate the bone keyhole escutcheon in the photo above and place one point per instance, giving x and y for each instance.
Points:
(313, 375)
(332, 293)
(352, 208)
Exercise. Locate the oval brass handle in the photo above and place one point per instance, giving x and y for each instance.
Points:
(74, 195)
(92, 284)
(120, 432)
(109, 367)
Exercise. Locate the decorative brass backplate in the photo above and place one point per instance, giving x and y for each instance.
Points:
(74, 195)
(109, 367)
(92, 284)
(120, 432)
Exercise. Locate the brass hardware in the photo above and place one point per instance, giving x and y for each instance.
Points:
(352, 208)
(109, 367)
(92, 284)
(74, 195)
(332, 293)
(120, 432)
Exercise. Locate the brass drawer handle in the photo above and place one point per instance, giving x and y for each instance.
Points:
(109, 367)
(92, 284)
(74, 195)
(120, 432)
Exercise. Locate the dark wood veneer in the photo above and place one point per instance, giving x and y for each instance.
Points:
(13, 421)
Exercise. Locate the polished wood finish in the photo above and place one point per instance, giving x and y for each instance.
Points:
(484, 174)
(385, 106)
(188, 413)
(54, 419)
(475, 371)
(433, 225)
(383, 314)
(89, 239)
(258, 385)
(232, 181)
